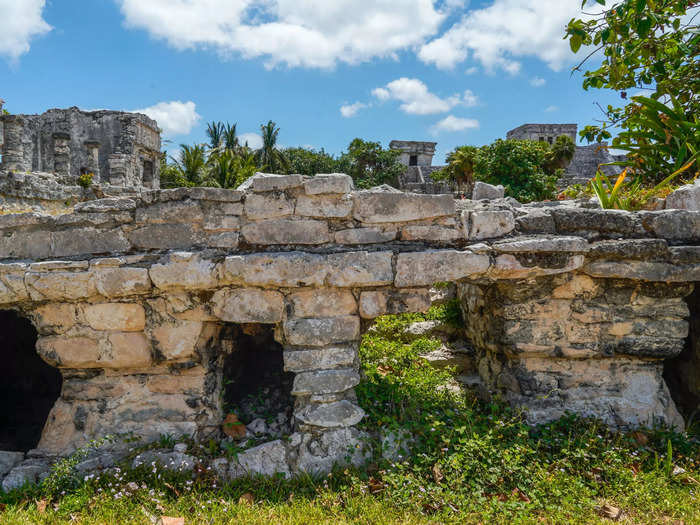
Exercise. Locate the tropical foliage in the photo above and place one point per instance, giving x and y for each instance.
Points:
(651, 46)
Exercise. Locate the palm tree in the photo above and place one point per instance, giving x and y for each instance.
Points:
(230, 138)
(269, 157)
(461, 166)
(563, 151)
(215, 131)
(192, 164)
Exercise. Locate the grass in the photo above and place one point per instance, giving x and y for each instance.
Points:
(471, 462)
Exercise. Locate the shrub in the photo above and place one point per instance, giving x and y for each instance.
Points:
(85, 180)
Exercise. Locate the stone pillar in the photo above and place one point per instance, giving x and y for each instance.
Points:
(61, 154)
(118, 169)
(93, 158)
(12, 149)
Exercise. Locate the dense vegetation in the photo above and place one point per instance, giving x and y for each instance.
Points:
(225, 163)
(527, 169)
(470, 462)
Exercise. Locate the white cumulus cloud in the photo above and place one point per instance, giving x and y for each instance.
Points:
(307, 33)
(451, 124)
(20, 21)
(501, 34)
(416, 98)
(350, 110)
(537, 82)
(253, 140)
(174, 118)
(551, 109)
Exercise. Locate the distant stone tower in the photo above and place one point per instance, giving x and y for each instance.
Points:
(543, 132)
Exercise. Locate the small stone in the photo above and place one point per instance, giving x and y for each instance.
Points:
(267, 459)
(483, 190)
(180, 447)
(329, 415)
(248, 305)
(268, 206)
(322, 332)
(323, 303)
(373, 304)
(319, 358)
(8, 460)
(685, 198)
(364, 236)
(115, 316)
(270, 182)
(329, 183)
(324, 382)
(257, 427)
(490, 224)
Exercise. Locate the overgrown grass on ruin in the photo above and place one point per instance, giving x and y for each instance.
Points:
(471, 462)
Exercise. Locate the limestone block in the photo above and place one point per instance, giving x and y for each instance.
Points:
(685, 198)
(510, 266)
(162, 236)
(184, 270)
(118, 282)
(188, 211)
(248, 305)
(115, 316)
(205, 194)
(364, 236)
(324, 206)
(228, 240)
(177, 340)
(324, 381)
(487, 191)
(319, 453)
(432, 266)
(535, 220)
(268, 206)
(676, 225)
(12, 287)
(20, 244)
(379, 207)
(8, 460)
(269, 182)
(360, 269)
(643, 270)
(267, 459)
(490, 224)
(69, 352)
(429, 233)
(105, 205)
(330, 415)
(322, 332)
(88, 240)
(542, 244)
(222, 223)
(385, 302)
(24, 474)
(329, 183)
(55, 317)
(60, 285)
(128, 350)
(649, 249)
(323, 303)
(228, 208)
(319, 358)
(619, 222)
(285, 231)
(276, 269)
(578, 286)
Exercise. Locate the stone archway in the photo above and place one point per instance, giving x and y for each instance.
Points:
(30, 386)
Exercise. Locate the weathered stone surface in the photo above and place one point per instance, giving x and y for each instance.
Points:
(364, 236)
(285, 231)
(177, 340)
(12, 287)
(379, 207)
(650, 249)
(513, 267)
(330, 415)
(228, 240)
(115, 316)
(675, 225)
(319, 453)
(323, 206)
(60, 285)
(643, 270)
(322, 332)
(88, 240)
(616, 222)
(267, 459)
(69, 352)
(429, 233)
(117, 282)
(483, 190)
(490, 224)
(270, 182)
(268, 206)
(429, 267)
(535, 220)
(162, 236)
(24, 474)
(188, 211)
(385, 302)
(324, 381)
(248, 305)
(542, 244)
(56, 317)
(222, 223)
(322, 303)
(685, 198)
(22, 244)
(184, 270)
(128, 350)
(276, 269)
(319, 358)
(329, 183)
(8, 460)
(360, 269)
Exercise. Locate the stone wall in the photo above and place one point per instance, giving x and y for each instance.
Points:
(569, 308)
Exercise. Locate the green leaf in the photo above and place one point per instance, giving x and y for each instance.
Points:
(643, 27)
(641, 4)
(605, 34)
(575, 43)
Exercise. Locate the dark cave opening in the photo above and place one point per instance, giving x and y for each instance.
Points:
(29, 388)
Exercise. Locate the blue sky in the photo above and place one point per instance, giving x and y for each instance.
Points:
(446, 70)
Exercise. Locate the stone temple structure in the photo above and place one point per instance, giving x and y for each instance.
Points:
(119, 149)
(418, 159)
(132, 313)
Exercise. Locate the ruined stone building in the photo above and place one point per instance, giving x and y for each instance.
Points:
(418, 159)
(118, 148)
(145, 313)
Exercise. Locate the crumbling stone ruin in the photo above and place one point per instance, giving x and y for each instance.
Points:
(118, 148)
(418, 159)
(129, 314)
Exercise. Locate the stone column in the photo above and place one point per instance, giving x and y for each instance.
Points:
(12, 149)
(61, 154)
(93, 158)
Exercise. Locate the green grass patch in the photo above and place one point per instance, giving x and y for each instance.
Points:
(470, 462)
